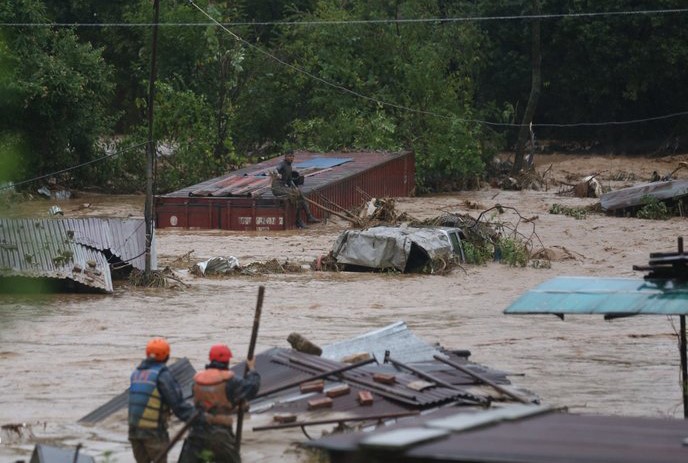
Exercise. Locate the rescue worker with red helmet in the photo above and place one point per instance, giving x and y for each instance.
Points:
(217, 391)
(153, 394)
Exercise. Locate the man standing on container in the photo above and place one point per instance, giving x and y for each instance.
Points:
(218, 393)
(287, 184)
(152, 395)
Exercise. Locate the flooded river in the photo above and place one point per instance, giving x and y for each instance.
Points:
(63, 355)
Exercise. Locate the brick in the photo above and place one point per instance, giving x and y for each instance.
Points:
(338, 391)
(316, 404)
(384, 378)
(312, 386)
(284, 417)
(365, 398)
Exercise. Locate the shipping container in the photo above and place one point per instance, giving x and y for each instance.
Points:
(243, 199)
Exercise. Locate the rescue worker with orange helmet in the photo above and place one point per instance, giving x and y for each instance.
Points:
(153, 394)
(217, 391)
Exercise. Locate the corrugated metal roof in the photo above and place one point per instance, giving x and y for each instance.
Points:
(320, 169)
(280, 367)
(549, 437)
(69, 248)
(590, 295)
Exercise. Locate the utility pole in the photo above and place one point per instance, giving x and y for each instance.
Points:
(150, 146)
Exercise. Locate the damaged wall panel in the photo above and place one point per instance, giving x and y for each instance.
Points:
(68, 254)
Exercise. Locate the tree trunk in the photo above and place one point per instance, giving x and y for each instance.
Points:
(536, 82)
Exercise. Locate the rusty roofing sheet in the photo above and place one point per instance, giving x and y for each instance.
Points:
(550, 437)
(72, 249)
(257, 175)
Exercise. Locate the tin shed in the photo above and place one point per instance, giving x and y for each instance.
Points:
(243, 200)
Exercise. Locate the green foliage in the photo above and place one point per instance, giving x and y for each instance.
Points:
(333, 84)
(478, 254)
(577, 213)
(454, 158)
(514, 253)
(653, 209)
(61, 88)
(349, 129)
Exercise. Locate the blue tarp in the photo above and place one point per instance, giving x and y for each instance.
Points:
(321, 163)
(589, 295)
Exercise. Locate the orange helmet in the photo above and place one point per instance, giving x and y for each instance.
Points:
(158, 348)
(220, 353)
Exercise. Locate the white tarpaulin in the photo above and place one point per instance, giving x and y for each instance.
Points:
(390, 247)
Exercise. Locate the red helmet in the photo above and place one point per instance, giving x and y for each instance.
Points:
(158, 348)
(220, 353)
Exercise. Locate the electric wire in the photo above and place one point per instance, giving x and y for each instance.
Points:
(92, 161)
(364, 21)
(311, 75)
(339, 87)
(417, 111)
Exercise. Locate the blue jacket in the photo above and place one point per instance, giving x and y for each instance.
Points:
(152, 395)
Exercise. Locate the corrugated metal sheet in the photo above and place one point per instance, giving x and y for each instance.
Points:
(77, 250)
(590, 295)
(396, 338)
(243, 200)
(280, 367)
(633, 196)
(550, 437)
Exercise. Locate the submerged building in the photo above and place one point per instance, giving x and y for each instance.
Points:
(243, 199)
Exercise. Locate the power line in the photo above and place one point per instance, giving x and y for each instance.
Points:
(102, 158)
(417, 111)
(362, 21)
(311, 75)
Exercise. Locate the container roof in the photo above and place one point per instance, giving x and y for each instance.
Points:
(320, 169)
(604, 296)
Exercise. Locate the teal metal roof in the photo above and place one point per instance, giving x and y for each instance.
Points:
(589, 295)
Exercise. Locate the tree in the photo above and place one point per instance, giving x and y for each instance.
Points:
(60, 87)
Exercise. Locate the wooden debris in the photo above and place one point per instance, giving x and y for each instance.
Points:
(338, 391)
(302, 344)
(420, 385)
(355, 358)
(316, 404)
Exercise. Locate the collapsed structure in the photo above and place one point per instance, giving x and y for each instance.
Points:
(379, 376)
(70, 254)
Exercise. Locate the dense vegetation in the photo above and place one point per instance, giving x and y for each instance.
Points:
(331, 75)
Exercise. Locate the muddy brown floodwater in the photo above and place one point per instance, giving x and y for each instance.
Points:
(63, 355)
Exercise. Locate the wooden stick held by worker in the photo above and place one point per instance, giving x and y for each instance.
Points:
(251, 350)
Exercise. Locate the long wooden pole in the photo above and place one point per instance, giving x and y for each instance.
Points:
(251, 350)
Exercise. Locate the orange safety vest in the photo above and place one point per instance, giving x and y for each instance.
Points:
(209, 394)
